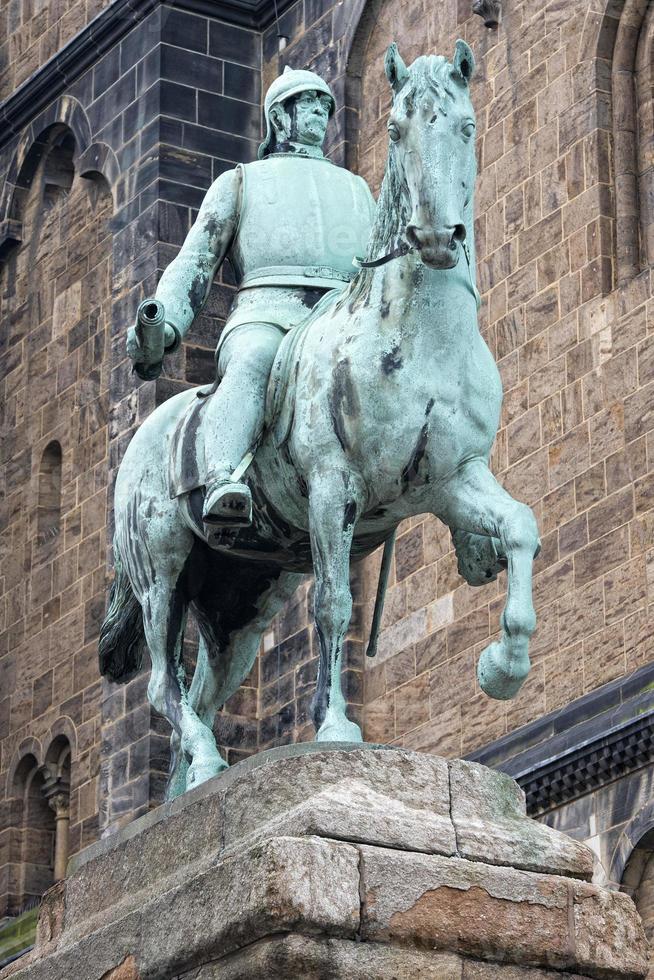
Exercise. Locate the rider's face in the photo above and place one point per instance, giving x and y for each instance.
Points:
(311, 116)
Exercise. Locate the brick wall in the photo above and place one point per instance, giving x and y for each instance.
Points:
(573, 350)
(575, 356)
(31, 31)
(55, 308)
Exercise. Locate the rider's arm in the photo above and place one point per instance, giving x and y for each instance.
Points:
(184, 286)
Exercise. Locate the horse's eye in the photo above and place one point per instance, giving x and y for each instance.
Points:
(468, 129)
(393, 132)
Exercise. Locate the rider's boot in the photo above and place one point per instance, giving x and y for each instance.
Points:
(226, 502)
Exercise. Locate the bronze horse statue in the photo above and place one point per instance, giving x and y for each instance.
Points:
(383, 404)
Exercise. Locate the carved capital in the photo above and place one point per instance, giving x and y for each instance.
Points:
(60, 804)
(489, 10)
(56, 790)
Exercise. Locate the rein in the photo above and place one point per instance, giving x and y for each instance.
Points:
(403, 249)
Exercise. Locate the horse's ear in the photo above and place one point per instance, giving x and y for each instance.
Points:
(396, 71)
(464, 61)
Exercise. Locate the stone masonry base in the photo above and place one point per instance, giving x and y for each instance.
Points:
(316, 861)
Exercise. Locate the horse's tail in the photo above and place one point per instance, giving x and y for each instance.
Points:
(122, 638)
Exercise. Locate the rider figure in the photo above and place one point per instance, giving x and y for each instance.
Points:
(290, 224)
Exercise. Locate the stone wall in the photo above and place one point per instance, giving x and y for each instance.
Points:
(32, 31)
(55, 310)
(98, 189)
(166, 100)
(575, 355)
(569, 328)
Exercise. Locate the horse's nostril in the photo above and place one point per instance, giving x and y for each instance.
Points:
(459, 233)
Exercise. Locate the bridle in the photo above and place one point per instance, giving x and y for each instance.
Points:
(403, 249)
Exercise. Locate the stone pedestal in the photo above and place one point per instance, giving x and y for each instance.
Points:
(337, 862)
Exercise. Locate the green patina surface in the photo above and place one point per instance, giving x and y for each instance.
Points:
(383, 403)
(18, 935)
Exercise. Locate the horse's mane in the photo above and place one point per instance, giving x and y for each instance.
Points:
(426, 72)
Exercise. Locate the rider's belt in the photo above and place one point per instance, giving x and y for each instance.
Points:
(292, 275)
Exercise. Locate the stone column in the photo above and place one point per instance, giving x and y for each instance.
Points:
(56, 791)
(310, 862)
(61, 805)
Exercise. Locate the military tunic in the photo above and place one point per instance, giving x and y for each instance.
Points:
(302, 221)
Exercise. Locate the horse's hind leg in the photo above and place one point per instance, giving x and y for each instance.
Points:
(199, 695)
(474, 501)
(229, 643)
(164, 619)
(333, 506)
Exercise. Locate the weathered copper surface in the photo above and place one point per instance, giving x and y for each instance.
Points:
(383, 403)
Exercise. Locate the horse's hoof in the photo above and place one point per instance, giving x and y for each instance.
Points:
(339, 730)
(501, 675)
(199, 772)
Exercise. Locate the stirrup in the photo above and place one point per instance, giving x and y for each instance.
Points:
(228, 504)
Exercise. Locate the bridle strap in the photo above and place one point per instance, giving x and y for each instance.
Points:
(403, 249)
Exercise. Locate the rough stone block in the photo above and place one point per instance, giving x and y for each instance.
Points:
(305, 958)
(609, 938)
(284, 885)
(497, 971)
(268, 871)
(127, 970)
(466, 907)
(388, 797)
(488, 811)
(131, 867)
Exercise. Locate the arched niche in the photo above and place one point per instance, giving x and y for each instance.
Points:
(48, 514)
(622, 38)
(33, 841)
(39, 794)
(48, 166)
(64, 118)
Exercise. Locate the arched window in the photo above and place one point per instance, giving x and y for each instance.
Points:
(39, 845)
(638, 881)
(49, 501)
(34, 843)
(632, 76)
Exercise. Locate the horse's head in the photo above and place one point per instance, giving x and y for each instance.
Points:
(432, 133)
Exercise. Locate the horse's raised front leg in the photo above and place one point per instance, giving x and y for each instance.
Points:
(474, 501)
(333, 506)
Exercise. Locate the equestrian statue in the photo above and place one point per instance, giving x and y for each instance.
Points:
(353, 392)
